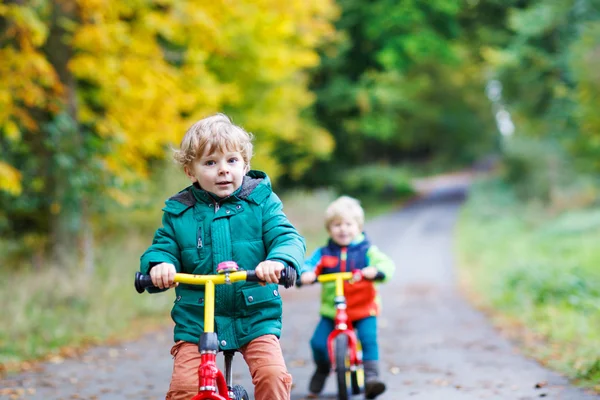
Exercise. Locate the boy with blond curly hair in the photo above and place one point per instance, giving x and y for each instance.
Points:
(229, 213)
(348, 250)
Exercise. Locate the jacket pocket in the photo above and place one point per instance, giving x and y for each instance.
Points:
(259, 295)
(188, 309)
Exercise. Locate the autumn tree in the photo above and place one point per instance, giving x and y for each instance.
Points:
(92, 91)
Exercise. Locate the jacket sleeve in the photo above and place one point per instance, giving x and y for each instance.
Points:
(164, 248)
(311, 264)
(382, 262)
(281, 239)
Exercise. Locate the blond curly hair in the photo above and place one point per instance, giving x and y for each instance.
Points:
(216, 132)
(345, 207)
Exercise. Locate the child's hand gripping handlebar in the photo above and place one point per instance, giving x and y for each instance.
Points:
(287, 278)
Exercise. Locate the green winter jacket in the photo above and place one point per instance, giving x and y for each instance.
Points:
(247, 227)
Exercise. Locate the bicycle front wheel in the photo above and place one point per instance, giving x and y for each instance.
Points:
(240, 393)
(342, 366)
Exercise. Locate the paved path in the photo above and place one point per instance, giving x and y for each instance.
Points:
(433, 344)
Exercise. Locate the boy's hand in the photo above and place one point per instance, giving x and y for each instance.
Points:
(308, 278)
(269, 271)
(162, 275)
(369, 272)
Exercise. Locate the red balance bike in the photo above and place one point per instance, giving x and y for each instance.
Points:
(213, 384)
(344, 349)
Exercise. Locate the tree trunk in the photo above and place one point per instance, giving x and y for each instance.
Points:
(86, 246)
(65, 202)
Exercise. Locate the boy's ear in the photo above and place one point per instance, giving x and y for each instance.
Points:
(189, 174)
(247, 169)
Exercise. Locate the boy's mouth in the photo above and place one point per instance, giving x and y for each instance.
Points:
(223, 183)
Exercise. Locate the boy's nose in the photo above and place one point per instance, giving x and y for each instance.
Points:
(223, 168)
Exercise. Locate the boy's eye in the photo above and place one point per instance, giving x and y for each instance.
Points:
(233, 160)
(209, 162)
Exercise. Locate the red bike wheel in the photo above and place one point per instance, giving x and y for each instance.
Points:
(342, 366)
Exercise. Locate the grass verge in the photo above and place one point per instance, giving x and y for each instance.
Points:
(538, 274)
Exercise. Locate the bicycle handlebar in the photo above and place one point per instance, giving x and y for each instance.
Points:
(287, 278)
(346, 276)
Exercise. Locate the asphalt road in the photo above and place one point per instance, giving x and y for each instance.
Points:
(433, 344)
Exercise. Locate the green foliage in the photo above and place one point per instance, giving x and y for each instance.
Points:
(400, 85)
(591, 373)
(532, 167)
(547, 60)
(537, 268)
(552, 284)
(377, 182)
(584, 59)
(541, 170)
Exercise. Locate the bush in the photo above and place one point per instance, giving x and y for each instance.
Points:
(385, 182)
(553, 284)
(532, 167)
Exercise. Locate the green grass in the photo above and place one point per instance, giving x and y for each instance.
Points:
(62, 307)
(538, 269)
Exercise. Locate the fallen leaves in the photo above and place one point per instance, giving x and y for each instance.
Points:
(17, 393)
(540, 385)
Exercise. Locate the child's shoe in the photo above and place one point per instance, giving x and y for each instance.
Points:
(317, 382)
(373, 385)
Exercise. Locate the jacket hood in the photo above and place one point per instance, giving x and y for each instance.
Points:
(256, 187)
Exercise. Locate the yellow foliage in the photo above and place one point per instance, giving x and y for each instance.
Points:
(27, 80)
(151, 69)
(249, 55)
(10, 179)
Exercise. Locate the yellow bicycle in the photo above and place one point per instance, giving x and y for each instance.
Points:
(342, 344)
(213, 384)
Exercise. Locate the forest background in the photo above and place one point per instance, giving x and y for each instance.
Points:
(347, 96)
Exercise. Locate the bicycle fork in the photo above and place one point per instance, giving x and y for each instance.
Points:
(343, 326)
(210, 378)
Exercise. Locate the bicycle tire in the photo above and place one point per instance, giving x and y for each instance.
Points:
(240, 393)
(341, 366)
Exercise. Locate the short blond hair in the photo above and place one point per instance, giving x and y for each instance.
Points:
(216, 132)
(345, 207)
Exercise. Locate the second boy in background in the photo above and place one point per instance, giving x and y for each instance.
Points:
(348, 249)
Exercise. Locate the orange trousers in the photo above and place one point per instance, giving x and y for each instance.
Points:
(265, 361)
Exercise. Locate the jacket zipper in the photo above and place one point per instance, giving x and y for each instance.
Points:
(200, 237)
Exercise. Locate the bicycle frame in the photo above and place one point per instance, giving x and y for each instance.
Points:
(211, 379)
(341, 322)
(212, 384)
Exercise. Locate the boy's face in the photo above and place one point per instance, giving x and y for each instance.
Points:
(218, 173)
(343, 230)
